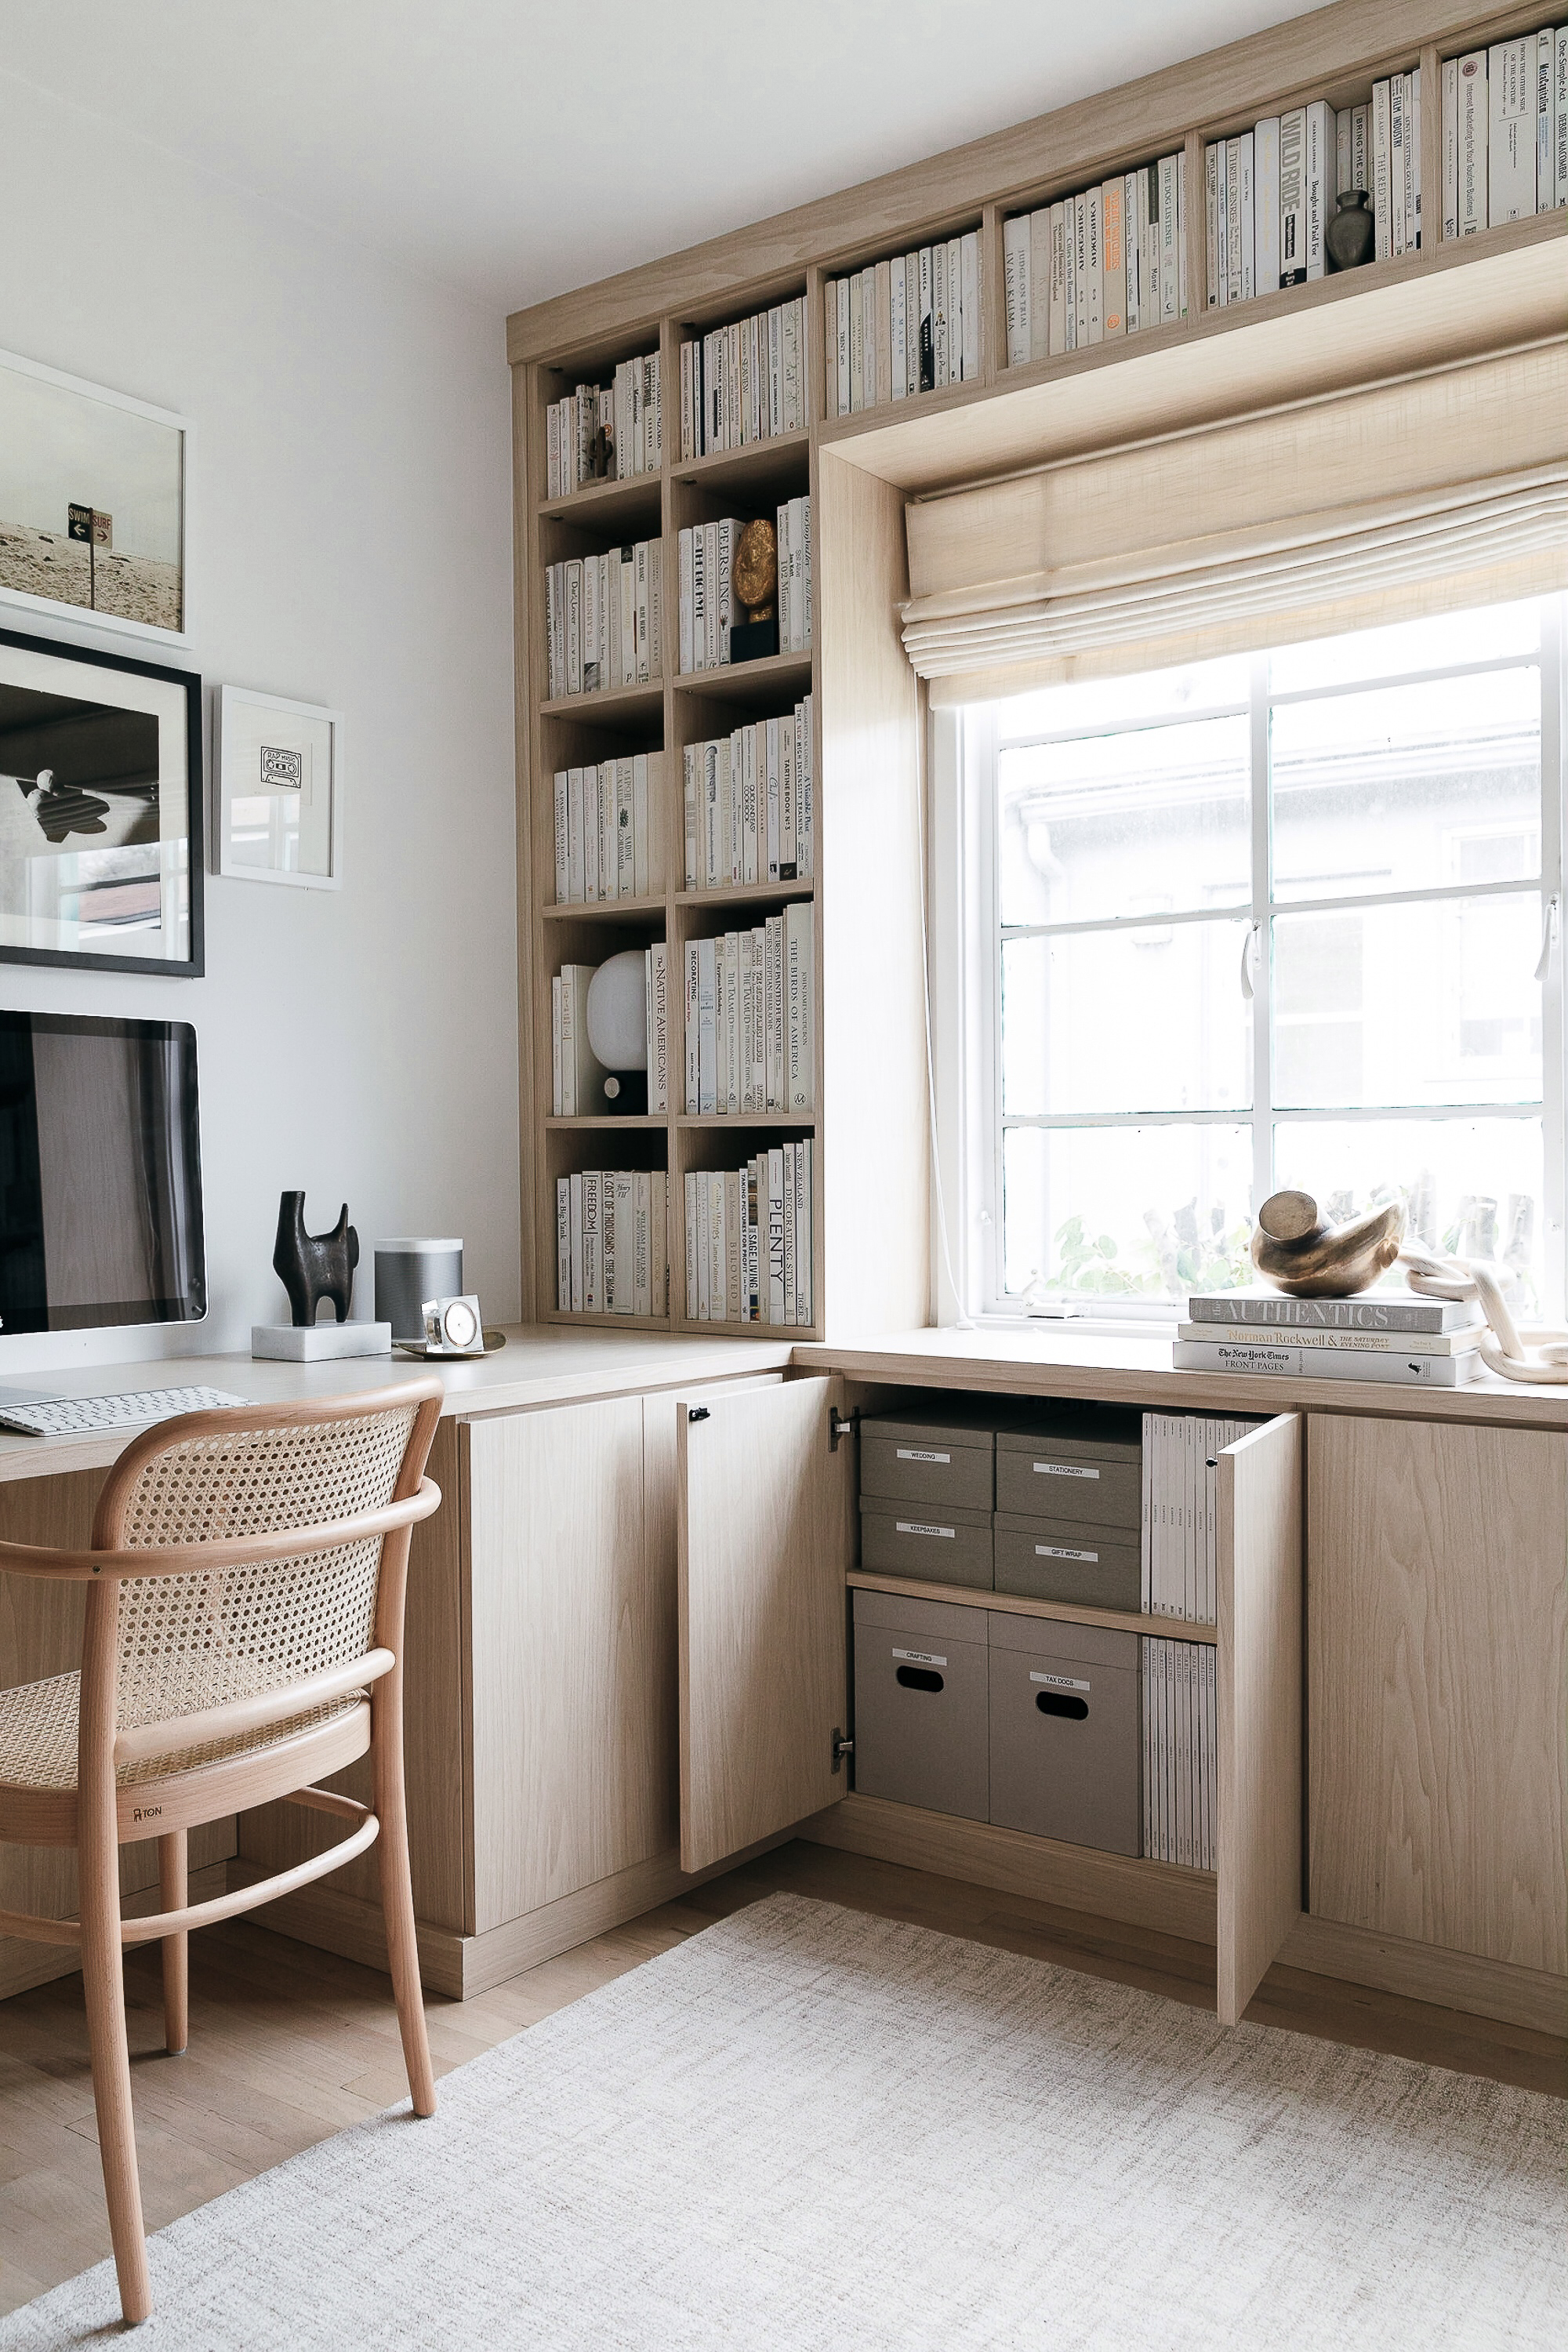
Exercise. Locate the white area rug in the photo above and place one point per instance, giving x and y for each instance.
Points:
(812, 2131)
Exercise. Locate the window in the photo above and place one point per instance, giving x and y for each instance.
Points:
(1273, 920)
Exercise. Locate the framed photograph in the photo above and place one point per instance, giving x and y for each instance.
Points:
(277, 769)
(94, 488)
(100, 810)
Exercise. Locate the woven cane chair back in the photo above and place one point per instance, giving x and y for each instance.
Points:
(188, 1643)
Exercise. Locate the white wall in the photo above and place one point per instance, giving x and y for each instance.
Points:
(351, 545)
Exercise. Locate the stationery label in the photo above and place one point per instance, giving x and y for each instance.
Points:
(1064, 1470)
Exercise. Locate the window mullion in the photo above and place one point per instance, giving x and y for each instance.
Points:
(1262, 943)
(1554, 1075)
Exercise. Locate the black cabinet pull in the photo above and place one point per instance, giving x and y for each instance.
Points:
(919, 1678)
(1059, 1703)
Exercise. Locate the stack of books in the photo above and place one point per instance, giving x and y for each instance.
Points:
(576, 1076)
(602, 828)
(611, 1241)
(602, 620)
(1414, 1342)
(749, 1240)
(1109, 261)
(744, 383)
(627, 412)
(750, 805)
(903, 326)
(1180, 1753)
(709, 607)
(1505, 131)
(751, 1029)
(1181, 1511)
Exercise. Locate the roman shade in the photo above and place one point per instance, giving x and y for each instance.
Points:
(1446, 489)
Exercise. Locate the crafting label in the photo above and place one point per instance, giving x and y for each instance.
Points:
(921, 1453)
(922, 1657)
(913, 1528)
(1060, 1551)
(1060, 1682)
(1064, 1470)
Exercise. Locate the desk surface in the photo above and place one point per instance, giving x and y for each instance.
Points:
(541, 1364)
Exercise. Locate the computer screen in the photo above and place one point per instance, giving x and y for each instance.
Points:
(100, 1175)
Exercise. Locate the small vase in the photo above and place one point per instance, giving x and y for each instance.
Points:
(1353, 231)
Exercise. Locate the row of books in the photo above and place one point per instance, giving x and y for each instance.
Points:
(1181, 1512)
(603, 828)
(708, 605)
(1180, 1753)
(751, 1025)
(602, 620)
(1505, 131)
(605, 432)
(1270, 193)
(749, 1240)
(745, 382)
(907, 325)
(1409, 1341)
(612, 1247)
(749, 801)
(1109, 261)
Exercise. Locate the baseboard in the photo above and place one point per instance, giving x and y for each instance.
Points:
(23, 1965)
(1080, 1878)
(1461, 1980)
(463, 1965)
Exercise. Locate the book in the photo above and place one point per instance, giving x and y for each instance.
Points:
(602, 819)
(1372, 1311)
(1266, 205)
(1379, 1343)
(1293, 196)
(1321, 170)
(581, 1091)
(1474, 125)
(1560, 117)
(748, 1251)
(1267, 1357)
(744, 383)
(1016, 274)
(1510, 130)
(607, 431)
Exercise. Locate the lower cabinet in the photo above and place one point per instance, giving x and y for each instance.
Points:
(1437, 1583)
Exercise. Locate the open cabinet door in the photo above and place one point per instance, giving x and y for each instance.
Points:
(1260, 1675)
(764, 1503)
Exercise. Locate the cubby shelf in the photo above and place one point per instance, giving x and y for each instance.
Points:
(608, 1119)
(1125, 1621)
(749, 682)
(757, 464)
(746, 894)
(637, 500)
(603, 910)
(803, 1122)
(611, 705)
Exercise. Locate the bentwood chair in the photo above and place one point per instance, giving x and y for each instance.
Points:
(245, 1593)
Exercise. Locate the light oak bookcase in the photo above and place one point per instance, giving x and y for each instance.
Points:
(1505, 288)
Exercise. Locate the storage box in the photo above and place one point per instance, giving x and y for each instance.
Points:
(1086, 1466)
(932, 1541)
(1065, 1732)
(1054, 1559)
(922, 1679)
(942, 1450)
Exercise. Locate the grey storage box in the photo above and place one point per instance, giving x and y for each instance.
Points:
(942, 1450)
(930, 1541)
(922, 1677)
(1054, 1559)
(1065, 1732)
(1086, 1466)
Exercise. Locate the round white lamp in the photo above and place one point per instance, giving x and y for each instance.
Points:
(618, 1030)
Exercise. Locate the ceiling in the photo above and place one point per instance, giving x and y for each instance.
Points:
(513, 150)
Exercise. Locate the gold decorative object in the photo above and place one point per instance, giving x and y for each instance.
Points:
(754, 570)
(1293, 1245)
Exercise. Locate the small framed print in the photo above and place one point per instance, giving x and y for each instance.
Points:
(100, 810)
(279, 786)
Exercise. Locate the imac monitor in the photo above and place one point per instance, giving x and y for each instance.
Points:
(101, 1173)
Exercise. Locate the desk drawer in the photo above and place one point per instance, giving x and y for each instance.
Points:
(1056, 1560)
(940, 1546)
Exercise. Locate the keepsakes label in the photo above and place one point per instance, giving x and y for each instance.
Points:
(914, 1528)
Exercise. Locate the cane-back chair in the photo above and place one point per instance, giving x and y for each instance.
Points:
(243, 1640)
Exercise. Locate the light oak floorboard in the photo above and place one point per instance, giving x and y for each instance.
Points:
(290, 2044)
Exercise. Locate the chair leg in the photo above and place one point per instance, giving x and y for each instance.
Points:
(397, 1889)
(103, 1982)
(173, 1894)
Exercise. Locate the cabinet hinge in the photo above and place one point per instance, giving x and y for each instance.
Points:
(841, 1749)
(841, 1424)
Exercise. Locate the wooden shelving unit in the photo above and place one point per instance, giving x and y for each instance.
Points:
(1441, 304)
(1015, 1604)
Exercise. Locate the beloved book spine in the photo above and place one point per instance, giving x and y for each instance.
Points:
(1366, 1314)
(1266, 205)
(1017, 287)
(1408, 1371)
(1040, 283)
(1293, 196)
(1113, 256)
(969, 303)
(1376, 1343)
(1380, 184)
(1511, 142)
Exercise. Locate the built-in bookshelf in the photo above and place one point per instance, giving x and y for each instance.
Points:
(729, 299)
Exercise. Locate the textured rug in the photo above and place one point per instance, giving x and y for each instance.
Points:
(813, 2131)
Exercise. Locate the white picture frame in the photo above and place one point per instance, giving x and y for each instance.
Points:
(92, 452)
(277, 790)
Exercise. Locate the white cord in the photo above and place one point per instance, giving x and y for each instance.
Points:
(1504, 1346)
(964, 1322)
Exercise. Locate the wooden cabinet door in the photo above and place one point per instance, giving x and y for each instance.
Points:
(1258, 1560)
(765, 1540)
(1438, 1576)
(572, 1635)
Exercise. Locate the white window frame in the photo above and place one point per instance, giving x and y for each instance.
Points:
(965, 964)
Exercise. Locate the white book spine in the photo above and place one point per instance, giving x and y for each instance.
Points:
(1450, 142)
(1511, 142)
(1094, 264)
(1293, 196)
(1475, 123)
(1266, 204)
(1056, 300)
(1170, 240)
(969, 303)
(1560, 117)
(563, 1243)
(1040, 282)
(1015, 285)
(1214, 158)
(1397, 96)
(1246, 216)
(576, 1227)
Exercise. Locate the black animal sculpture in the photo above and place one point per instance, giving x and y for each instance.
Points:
(313, 1267)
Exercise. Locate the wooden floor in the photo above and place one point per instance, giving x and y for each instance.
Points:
(288, 2044)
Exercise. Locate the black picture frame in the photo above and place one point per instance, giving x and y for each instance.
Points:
(188, 967)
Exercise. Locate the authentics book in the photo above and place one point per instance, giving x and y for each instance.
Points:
(1373, 1312)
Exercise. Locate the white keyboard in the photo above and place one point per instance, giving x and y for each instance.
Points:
(81, 1416)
